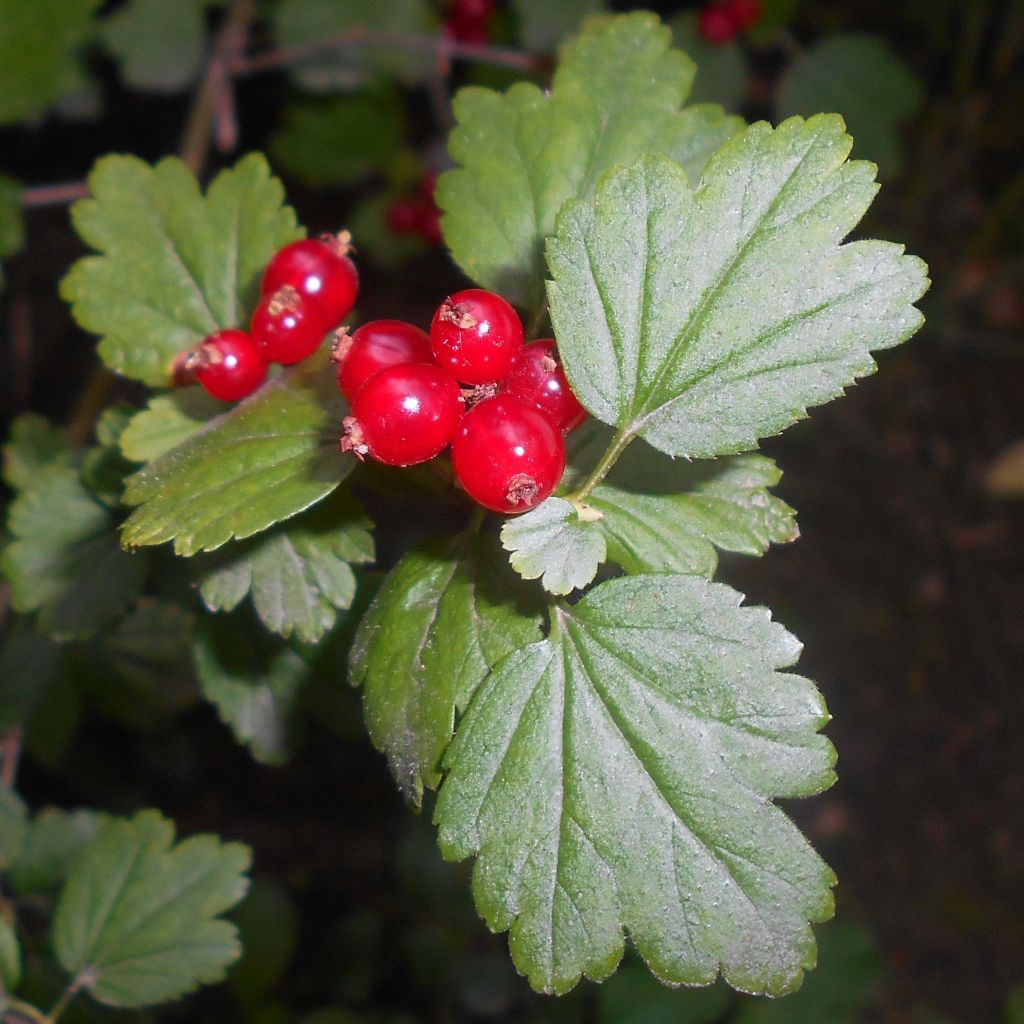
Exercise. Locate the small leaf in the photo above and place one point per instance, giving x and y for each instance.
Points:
(137, 921)
(704, 320)
(39, 44)
(175, 266)
(301, 22)
(299, 573)
(721, 67)
(552, 544)
(167, 421)
(10, 955)
(615, 97)
(34, 445)
(53, 843)
(619, 776)
(159, 45)
(13, 824)
(253, 680)
(859, 76)
(267, 459)
(65, 561)
(542, 27)
(444, 616)
(340, 140)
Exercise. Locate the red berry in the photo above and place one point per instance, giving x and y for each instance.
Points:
(537, 378)
(287, 327)
(745, 14)
(507, 455)
(320, 270)
(229, 365)
(375, 345)
(469, 21)
(716, 25)
(403, 215)
(476, 335)
(403, 414)
(428, 185)
(429, 225)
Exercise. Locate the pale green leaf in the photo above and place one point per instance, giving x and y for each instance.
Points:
(619, 776)
(859, 76)
(703, 320)
(267, 459)
(253, 680)
(721, 67)
(543, 27)
(345, 67)
(340, 140)
(33, 445)
(159, 45)
(167, 421)
(10, 955)
(299, 574)
(137, 921)
(175, 265)
(65, 561)
(616, 96)
(53, 843)
(13, 824)
(552, 544)
(447, 613)
(39, 46)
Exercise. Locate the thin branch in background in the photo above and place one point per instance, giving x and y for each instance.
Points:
(53, 195)
(21, 350)
(10, 753)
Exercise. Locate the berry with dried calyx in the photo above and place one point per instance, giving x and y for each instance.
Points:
(287, 326)
(319, 269)
(537, 378)
(228, 365)
(476, 334)
(374, 345)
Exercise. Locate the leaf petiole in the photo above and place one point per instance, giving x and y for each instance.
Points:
(619, 443)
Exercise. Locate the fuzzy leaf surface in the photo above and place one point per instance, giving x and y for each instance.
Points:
(299, 574)
(65, 561)
(174, 265)
(445, 615)
(167, 421)
(616, 95)
(269, 458)
(704, 319)
(39, 44)
(138, 919)
(619, 776)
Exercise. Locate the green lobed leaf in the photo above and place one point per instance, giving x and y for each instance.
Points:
(53, 842)
(340, 140)
(302, 22)
(269, 458)
(33, 445)
(174, 265)
(137, 921)
(299, 574)
(616, 95)
(39, 44)
(702, 320)
(859, 76)
(159, 45)
(542, 27)
(445, 615)
(13, 824)
(167, 421)
(619, 776)
(551, 543)
(253, 680)
(65, 561)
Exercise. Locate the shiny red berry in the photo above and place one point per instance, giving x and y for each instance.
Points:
(373, 346)
(745, 14)
(318, 268)
(508, 455)
(403, 414)
(537, 378)
(476, 335)
(228, 365)
(287, 327)
(716, 24)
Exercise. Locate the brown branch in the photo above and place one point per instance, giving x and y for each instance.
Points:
(442, 46)
(10, 752)
(53, 195)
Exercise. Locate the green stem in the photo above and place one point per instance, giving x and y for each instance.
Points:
(619, 443)
(22, 1009)
(65, 999)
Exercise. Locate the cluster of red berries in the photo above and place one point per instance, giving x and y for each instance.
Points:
(308, 289)
(469, 21)
(472, 383)
(722, 20)
(417, 214)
